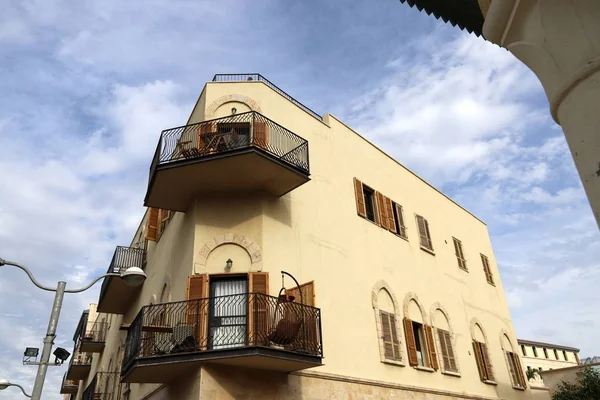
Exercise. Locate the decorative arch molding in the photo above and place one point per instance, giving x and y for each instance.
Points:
(229, 238)
(438, 306)
(476, 322)
(212, 108)
(383, 285)
(412, 296)
(512, 345)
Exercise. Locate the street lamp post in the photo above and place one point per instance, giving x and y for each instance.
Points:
(133, 276)
(4, 383)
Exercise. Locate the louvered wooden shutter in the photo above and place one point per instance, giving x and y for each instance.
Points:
(424, 232)
(400, 214)
(444, 349)
(486, 269)
(386, 330)
(380, 211)
(260, 307)
(433, 359)
(197, 309)
(261, 134)
(152, 224)
(512, 369)
(308, 293)
(361, 209)
(389, 210)
(487, 362)
(450, 352)
(479, 360)
(411, 345)
(519, 371)
(309, 332)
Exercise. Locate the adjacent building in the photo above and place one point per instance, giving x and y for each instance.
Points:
(289, 258)
(542, 356)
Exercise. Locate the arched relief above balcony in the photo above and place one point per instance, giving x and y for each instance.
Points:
(212, 108)
(242, 241)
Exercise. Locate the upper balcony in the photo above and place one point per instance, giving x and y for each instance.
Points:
(80, 365)
(69, 386)
(115, 295)
(241, 153)
(92, 341)
(104, 386)
(250, 330)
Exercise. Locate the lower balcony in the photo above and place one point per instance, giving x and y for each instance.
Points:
(251, 330)
(104, 386)
(94, 338)
(69, 386)
(80, 366)
(115, 295)
(241, 153)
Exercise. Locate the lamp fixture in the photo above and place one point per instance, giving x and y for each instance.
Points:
(228, 264)
(133, 276)
(61, 355)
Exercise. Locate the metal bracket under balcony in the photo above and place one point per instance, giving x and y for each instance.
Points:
(115, 296)
(240, 153)
(69, 386)
(250, 330)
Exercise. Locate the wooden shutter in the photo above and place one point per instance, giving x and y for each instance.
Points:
(486, 269)
(450, 352)
(512, 369)
(411, 345)
(152, 224)
(382, 219)
(459, 253)
(444, 349)
(433, 360)
(479, 360)
(204, 129)
(487, 362)
(521, 381)
(309, 332)
(361, 209)
(389, 210)
(424, 232)
(401, 224)
(197, 309)
(386, 330)
(261, 134)
(258, 331)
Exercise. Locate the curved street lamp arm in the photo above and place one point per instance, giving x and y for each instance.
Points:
(29, 274)
(92, 283)
(22, 390)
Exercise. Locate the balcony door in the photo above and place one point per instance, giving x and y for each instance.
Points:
(228, 315)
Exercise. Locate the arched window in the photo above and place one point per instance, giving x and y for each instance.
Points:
(419, 335)
(387, 319)
(513, 363)
(482, 355)
(445, 340)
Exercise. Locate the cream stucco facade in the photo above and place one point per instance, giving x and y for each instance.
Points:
(358, 269)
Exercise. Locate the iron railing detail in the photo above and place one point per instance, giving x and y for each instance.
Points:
(72, 384)
(123, 258)
(260, 78)
(80, 358)
(97, 333)
(234, 132)
(223, 322)
(104, 386)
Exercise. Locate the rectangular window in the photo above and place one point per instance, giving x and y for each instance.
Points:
(545, 352)
(484, 364)
(523, 350)
(399, 220)
(487, 269)
(370, 209)
(565, 355)
(391, 344)
(420, 343)
(534, 351)
(448, 359)
(458, 251)
(424, 235)
(555, 354)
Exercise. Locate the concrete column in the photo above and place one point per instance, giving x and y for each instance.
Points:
(560, 41)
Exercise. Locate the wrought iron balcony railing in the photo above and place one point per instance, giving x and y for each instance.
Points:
(69, 385)
(97, 333)
(123, 258)
(260, 78)
(223, 322)
(235, 132)
(104, 386)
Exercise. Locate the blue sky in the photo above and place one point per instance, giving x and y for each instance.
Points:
(88, 86)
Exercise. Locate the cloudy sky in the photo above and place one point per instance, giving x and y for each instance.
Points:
(86, 88)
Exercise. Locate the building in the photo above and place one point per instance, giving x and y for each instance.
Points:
(560, 42)
(545, 357)
(554, 377)
(390, 288)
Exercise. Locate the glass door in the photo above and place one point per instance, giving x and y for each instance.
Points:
(228, 312)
